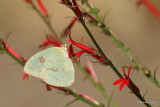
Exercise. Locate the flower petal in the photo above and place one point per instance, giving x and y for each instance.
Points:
(123, 70)
(25, 76)
(83, 47)
(48, 87)
(11, 50)
(127, 82)
(88, 97)
(92, 72)
(45, 43)
(42, 8)
(101, 59)
(129, 70)
(78, 12)
(122, 85)
(70, 51)
(28, 1)
(91, 18)
(78, 54)
(119, 81)
(65, 32)
(151, 8)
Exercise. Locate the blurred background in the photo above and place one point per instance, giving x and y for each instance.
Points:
(138, 29)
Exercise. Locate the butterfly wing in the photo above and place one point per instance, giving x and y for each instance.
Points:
(35, 64)
(58, 69)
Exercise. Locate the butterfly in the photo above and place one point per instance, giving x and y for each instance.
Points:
(53, 66)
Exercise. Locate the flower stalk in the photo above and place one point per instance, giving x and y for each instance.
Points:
(150, 7)
(66, 90)
(4, 47)
(108, 61)
(95, 84)
(45, 18)
(121, 45)
(68, 3)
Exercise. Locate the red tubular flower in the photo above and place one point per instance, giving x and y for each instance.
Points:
(77, 55)
(64, 1)
(48, 87)
(79, 14)
(149, 5)
(101, 59)
(125, 80)
(88, 98)
(70, 26)
(25, 76)
(91, 17)
(50, 40)
(42, 8)
(13, 52)
(91, 72)
(16, 55)
(83, 47)
(10, 50)
(28, 1)
(87, 50)
(70, 51)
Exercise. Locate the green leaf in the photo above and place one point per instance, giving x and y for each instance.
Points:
(71, 102)
(145, 94)
(155, 71)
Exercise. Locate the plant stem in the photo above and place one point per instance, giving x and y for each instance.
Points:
(21, 62)
(121, 46)
(77, 96)
(46, 20)
(100, 50)
(96, 85)
(100, 89)
(109, 62)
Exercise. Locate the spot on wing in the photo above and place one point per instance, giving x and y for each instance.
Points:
(41, 59)
(53, 69)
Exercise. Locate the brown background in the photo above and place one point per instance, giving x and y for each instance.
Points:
(139, 30)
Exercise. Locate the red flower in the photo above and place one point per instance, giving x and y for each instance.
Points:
(12, 51)
(28, 1)
(70, 51)
(42, 8)
(91, 18)
(88, 98)
(69, 26)
(101, 59)
(85, 49)
(50, 40)
(91, 72)
(78, 12)
(123, 81)
(150, 6)
(48, 87)
(25, 76)
(77, 55)
(64, 1)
